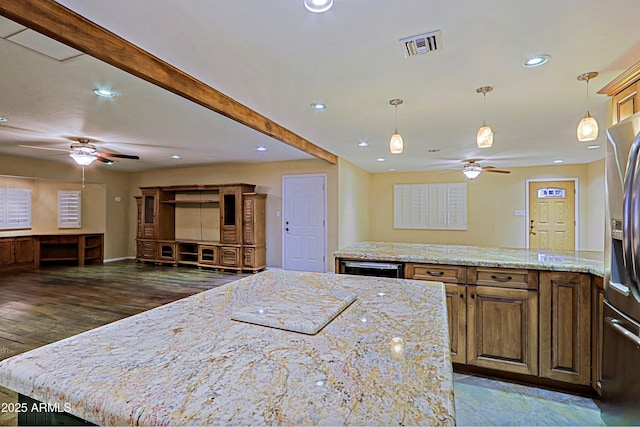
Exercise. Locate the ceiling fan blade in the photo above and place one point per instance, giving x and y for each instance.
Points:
(120, 156)
(493, 169)
(103, 160)
(43, 148)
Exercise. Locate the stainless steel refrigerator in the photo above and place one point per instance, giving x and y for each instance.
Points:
(621, 336)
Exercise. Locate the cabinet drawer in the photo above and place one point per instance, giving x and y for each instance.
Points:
(503, 277)
(439, 273)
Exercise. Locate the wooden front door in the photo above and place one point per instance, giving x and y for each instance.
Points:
(552, 215)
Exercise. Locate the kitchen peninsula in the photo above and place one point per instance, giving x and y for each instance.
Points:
(533, 316)
(383, 360)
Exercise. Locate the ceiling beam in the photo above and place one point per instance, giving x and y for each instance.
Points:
(62, 24)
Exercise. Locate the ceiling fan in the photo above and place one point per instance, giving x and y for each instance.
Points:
(83, 152)
(472, 169)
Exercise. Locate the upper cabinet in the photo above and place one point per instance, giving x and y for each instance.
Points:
(624, 92)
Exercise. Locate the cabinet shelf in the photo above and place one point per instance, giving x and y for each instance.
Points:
(191, 202)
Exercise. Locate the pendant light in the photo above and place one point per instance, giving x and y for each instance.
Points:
(396, 145)
(588, 126)
(484, 138)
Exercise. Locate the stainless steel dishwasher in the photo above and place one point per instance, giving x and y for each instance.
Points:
(372, 268)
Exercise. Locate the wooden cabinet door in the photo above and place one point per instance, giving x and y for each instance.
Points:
(625, 103)
(597, 329)
(23, 250)
(457, 315)
(230, 257)
(502, 329)
(6, 251)
(230, 215)
(565, 327)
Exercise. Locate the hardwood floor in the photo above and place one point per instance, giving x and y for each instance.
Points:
(40, 306)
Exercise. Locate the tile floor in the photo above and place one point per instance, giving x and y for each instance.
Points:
(485, 402)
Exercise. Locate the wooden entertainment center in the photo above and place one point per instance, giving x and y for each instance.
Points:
(231, 215)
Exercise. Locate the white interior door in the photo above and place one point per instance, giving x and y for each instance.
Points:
(304, 222)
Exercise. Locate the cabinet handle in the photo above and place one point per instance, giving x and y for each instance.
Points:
(501, 278)
(435, 273)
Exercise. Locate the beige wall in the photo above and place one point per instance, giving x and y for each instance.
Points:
(492, 200)
(353, 204)
(267, 177)
(100, 212)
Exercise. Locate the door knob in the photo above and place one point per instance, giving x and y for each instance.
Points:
(531, 226)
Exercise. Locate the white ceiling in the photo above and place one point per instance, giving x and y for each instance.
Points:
(277, 58)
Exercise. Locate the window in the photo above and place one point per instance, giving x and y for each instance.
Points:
(430, 206)
(15, 208)
(69, 209)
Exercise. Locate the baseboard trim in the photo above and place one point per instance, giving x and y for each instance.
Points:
(119, 259)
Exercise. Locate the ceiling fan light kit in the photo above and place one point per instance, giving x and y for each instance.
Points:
(82, 158)
(484, 137)
(396, 144)
(472, 170)
(588, 127)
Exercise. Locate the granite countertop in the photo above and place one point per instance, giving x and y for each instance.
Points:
(479, 256)
(384, 360)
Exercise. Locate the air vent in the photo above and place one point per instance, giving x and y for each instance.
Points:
(422, 44)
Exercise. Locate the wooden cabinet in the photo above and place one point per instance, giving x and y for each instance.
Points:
(565, 327)
(231, 214)
(502, 329)
(78, 249)
(624, 91)
(502, 319)
(597, 329)
(457, 315)
(625, 103)
(454, 278)
(158, 217)
(166, 251)
(16, 251)
(242, 226)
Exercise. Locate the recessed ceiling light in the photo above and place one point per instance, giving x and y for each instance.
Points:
(363, 144)
(318, 6)
(392, 169)
(2, 120)
(592, 147)
(318, 105)
(176, 156)
(105, 93)
(261, 148)
(558, 161)
(380, 159)
(536, 60)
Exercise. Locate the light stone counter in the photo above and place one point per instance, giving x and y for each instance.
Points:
(479, 256)
(383, 361)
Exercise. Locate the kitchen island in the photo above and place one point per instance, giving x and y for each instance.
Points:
(533, 316)
(478, 256)
(383, 360)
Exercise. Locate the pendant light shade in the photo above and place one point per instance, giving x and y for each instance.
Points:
(484, 138)
(396, 144)
(588, 126)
